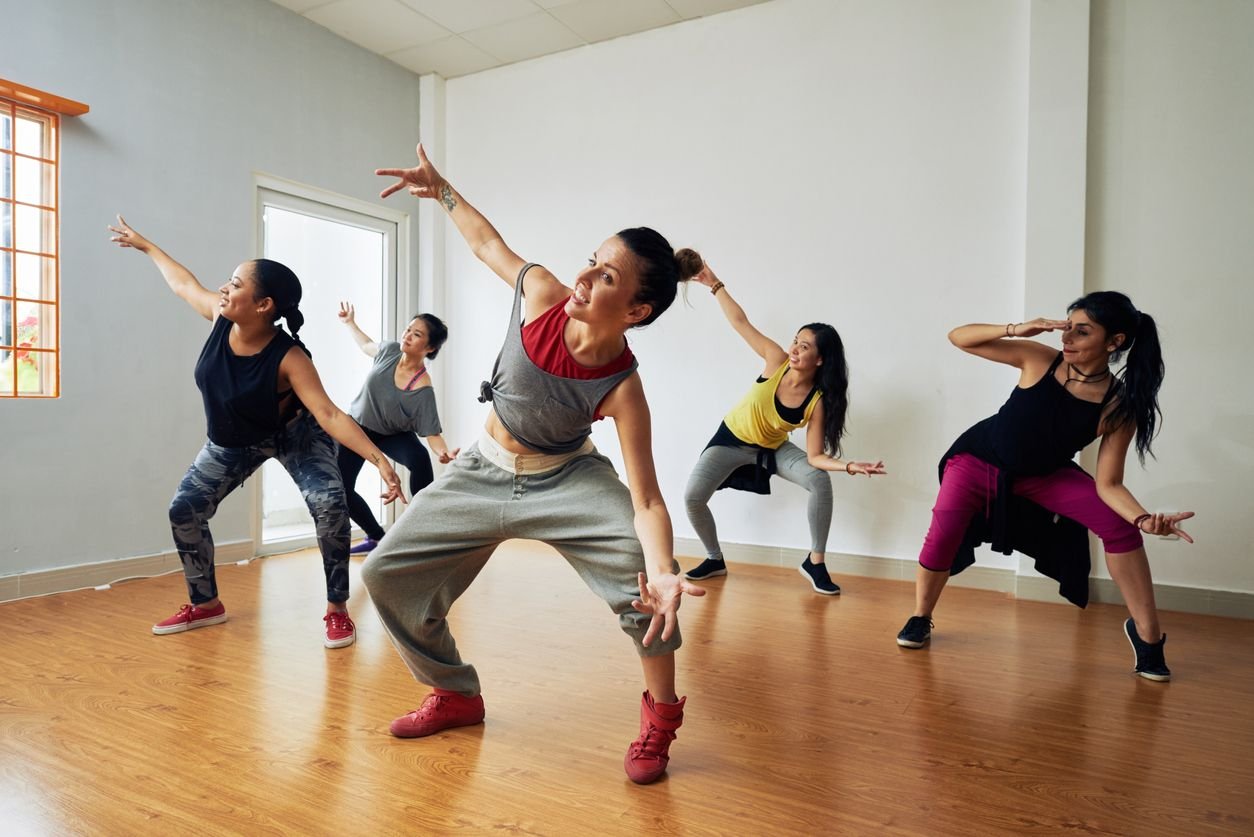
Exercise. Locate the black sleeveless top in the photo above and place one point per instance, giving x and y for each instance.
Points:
(1037, 431)
(241, 393)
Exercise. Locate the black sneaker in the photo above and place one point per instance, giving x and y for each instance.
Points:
(1150, 663)
(817, 575)
(708, 568)
(917, 632)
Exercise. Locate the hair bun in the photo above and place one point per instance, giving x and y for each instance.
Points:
(689, 263)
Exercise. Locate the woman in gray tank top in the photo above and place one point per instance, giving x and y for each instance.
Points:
(567, 367)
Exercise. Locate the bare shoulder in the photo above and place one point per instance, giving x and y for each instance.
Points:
(626, 399)
(542, 290)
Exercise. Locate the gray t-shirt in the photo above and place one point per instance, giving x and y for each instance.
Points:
(385, 408)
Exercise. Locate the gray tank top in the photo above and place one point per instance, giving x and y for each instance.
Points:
(543, 411)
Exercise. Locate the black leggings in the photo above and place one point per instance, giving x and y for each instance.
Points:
(402, 447)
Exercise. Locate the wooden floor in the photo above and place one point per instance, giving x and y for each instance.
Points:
(803, 715)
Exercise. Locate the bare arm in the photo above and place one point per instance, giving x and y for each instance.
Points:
(202, 300)
(825, 461)
(423, 181)
(660, 587)
(994, 342)
(763, 346)
(299, 373)
(348, 316)
(440, 448)
(1111, 456)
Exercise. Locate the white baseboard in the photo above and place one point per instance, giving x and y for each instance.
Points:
(61, 579)
(1003, 580)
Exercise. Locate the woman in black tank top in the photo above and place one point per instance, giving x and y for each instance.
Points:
(262, 399)
(755, 446)
(1017, 466)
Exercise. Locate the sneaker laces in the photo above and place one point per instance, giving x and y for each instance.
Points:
(653, 742)
(338, 621)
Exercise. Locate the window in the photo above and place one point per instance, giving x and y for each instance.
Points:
(29, 256)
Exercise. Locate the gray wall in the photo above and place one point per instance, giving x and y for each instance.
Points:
(187, 100)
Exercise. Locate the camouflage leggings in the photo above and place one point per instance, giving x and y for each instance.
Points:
(308, 454)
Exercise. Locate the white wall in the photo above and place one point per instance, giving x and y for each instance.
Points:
(1171, 222)
(187, 100)
(851, 162)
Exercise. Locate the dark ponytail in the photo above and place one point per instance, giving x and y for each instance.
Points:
(661, 269)
(833, 380)
(1142, 375)
(277, 281)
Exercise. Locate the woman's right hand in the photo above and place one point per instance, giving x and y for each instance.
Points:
(1038, 326)
(347, 313)
(706, 277)
(423, 181)
(125, 236)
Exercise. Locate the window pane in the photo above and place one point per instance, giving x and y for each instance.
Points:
(6, 373)
(31, 369)
(34, 229)
(6, 273)
(6, 322)
(36, 277)
(36, 326)
(33, 135)
(34, 182)
(6, 175)
(6, 128)
(6, 225)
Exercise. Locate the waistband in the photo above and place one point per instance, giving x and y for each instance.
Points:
(528, 464)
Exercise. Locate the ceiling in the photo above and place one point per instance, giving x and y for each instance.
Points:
(457, 37)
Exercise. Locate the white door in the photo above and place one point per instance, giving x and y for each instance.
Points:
(339, 254)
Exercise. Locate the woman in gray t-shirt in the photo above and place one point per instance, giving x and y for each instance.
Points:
(395, 406)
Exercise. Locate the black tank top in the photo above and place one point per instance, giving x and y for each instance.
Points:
(1041, 428)
(241, 394)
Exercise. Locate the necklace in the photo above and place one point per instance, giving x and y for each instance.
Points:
(1086, 378)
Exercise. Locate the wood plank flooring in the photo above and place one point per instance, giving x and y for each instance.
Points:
(803, 715)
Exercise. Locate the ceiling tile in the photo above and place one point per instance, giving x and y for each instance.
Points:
(378, 25)
(700, 8)
(600, 20)
(463, 15)
(524, 38)
(450, 58)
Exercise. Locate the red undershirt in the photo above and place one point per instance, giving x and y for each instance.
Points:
(544, 341)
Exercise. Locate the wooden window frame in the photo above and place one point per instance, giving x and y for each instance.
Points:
(20, 102)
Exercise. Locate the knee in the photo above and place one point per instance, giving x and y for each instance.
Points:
(329, 507)
(1121, 536)
(820, 484)
(185, 510)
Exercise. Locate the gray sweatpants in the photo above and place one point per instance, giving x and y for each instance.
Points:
(450, 529)
(717, 463)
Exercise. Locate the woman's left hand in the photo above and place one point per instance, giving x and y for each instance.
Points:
(1166, 524)
(393, 483)
(868, 468)
(660, 598)
(447, 456)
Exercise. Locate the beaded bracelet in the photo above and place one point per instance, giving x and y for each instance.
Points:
(716, 287)
(1010, 329)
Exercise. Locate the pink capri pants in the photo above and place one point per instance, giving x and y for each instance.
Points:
(970, 484)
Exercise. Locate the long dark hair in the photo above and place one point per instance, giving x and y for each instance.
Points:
(437, 333)
(277, 281)
(1139, 380)
(661, 269)
(833, 380)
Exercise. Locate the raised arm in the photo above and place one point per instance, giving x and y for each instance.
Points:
(994, 342)
(202, 300)
(348, 316)
(765, 347)
(298, 372)
(660, 588)
(423, 181)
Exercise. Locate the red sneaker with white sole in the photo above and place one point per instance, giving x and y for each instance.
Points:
(440, 710)
(190, 617)
(340, 630)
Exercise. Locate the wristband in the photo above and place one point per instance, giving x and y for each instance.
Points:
(1141, 519)
(716, 287)
(1010, 329)
(848, 465)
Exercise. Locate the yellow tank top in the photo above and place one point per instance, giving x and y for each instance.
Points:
(755, 419)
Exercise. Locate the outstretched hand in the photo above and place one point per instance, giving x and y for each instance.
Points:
(449, 455)
(347, 313)
(660, 598)
(423, 181)
(1166, 524)
(706, 277)
(1039, 326)
(868, 468)
(125, 236)
(392, 481)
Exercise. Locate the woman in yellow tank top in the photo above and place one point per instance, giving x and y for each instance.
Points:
(807, 385)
